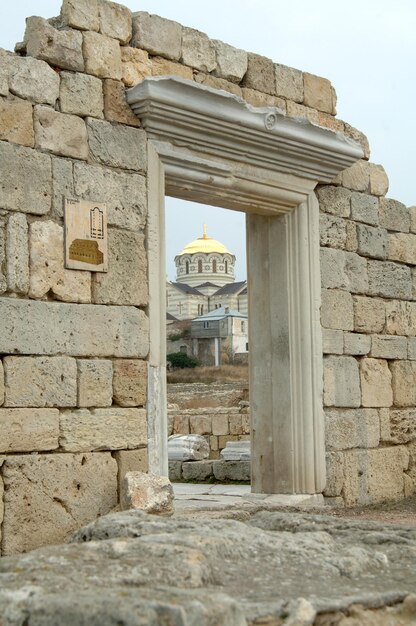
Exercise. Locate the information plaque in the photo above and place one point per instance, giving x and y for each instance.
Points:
(86, 241)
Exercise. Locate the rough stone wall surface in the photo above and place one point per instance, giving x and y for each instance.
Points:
(70, 340)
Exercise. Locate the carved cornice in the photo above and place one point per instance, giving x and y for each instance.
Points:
(214, 122)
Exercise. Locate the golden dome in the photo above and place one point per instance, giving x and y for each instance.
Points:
(205, 245)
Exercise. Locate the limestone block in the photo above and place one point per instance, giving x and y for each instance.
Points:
(376, 383)
(63, 184)
(394, 215)
(28, 430)
(16, 121)
(334, 474)
(86, 430)
(33, 80)
(175, 471)
(388, 347)
(3, 279)
(379, 182)
(225, 471)
(17, 253)
(260, 74)
(332, 342)
(357, 177)
(213, 444)
(236, 424)
(374, 475)
(88, 330)
(124, 194)
(157, 35)
(102, 56)
(61, 48)
(341, 382)
(1, 383)
(200, 424)
(260, 99)
(411, 348)
(60, 133)
(115, 21)
(220, 424)
(147, 492)
(49, 496)
(164, 67)
(327, 121)
(130, 382)
(369, 314)
(81, 94)
(333, 231)
(130, 461)
(126, 279)
(402, 425)
(401, 318)
(360, 138)
(333, 272)
(198, 50)
(337, 309)
(289, 82)
(116, 108)
(389, 280)
(135, 64)
(81, 14)
(351, 241)
(356, 271)
(364, 208)
(197, 470)
(335, 200)
(298, 110)
(356, 344)
(231, 62)
(218, 83)
(385, 435)
(402, 247)
(181, 425)
(236, 451)
(319, 93)
(4, 74)
(404, 382)
(40, 381)
(354, 428)
(117, 146)
(47, 271)
(95, 383)
(412, 214)
(372, 242)
(223, 439)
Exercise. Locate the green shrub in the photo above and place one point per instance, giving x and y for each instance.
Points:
(181, 360)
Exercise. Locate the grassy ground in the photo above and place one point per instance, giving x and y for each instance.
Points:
(205, 374)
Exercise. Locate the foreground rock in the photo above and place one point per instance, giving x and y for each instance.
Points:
(146, 492)
(133, 569)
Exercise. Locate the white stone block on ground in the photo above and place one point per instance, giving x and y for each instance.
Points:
(149, 493)
(187, 448)
(236, 451)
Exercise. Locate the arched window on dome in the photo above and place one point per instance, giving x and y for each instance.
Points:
(226, 267)
(186, 267)
(199, 266)
(214, 266)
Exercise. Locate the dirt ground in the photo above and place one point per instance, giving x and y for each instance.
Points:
(401, 512)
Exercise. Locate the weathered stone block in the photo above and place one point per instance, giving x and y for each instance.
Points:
(198, 50)
(333, 270)
(356, 344)
(401, 318)
(200, 424)
(232, 470)
(402, 247)
(81, 94)
(260, 99)
(223, 439)
(126, 279)
(376, 383)
(289, 82)
(218, 83)
(181, 425)
(333, 231)
(16, 121)
(157, 35)
(117, 146)
(124, 194)
(402, 426)
(372, 242)
(337, 309)
(61, 48)
(388, 347)
(379, 182)
(164, 67)
(334, 474)
(412, 214)
(136, 65)
(63, 184)
(236, 424)
(40, 381)
(356, 271)
(369, 314)
(220, 424)
(47, 271)
(102, 56)
(3, 279)
(332, 341)
(394, 215)
(86, 430)
(30, 327)
(328, 121)
(231, 62)
(389, 280)
(353, 428)
(149, 493)
(335, 200)
(28, 430)
(49, 496)
(364, 208)
(17, 253)
(175, 471)
(115, 21)
(404, 382)
(298, 110)
(351, 242)
(411, 348)
(1, 383)
(260, 74)
(197, 470)
(33, 80)
(357, 177)
(130, 382)
(81, 14)
(360, 138)
(60, 133)
(374, 475)
(116, 108)
(341, 382)
(130, 461)
(319, 93)
(95, 383)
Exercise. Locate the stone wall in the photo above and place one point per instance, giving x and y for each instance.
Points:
(74, 344)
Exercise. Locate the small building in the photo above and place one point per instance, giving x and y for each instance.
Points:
(220, 336)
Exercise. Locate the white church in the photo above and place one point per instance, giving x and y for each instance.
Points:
(205, 281)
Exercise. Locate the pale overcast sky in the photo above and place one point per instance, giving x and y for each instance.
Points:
(365, 47)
